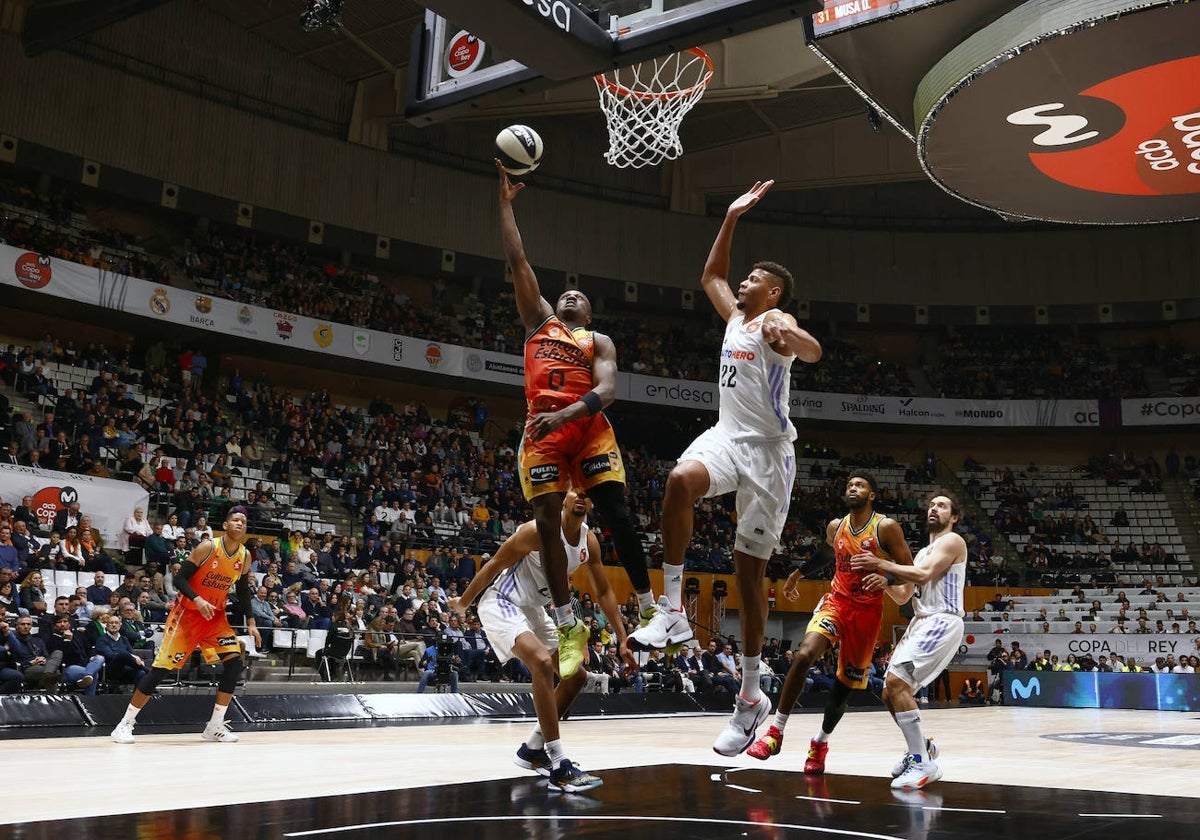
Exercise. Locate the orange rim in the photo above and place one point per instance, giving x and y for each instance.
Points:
(620, 90)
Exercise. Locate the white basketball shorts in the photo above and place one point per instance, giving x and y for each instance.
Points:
(762, 474)
(504, 621)
(928, 646)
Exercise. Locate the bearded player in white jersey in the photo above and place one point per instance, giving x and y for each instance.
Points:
(513, 612)
(938, 575)
(749, 451)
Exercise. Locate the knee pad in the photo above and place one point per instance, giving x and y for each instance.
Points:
(229, 674)
(609, 497)
(153, 677)
(839, 695)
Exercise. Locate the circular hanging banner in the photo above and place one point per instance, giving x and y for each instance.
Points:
(464, 54)
(1082, 111)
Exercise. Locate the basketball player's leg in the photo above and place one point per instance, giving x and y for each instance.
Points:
(704, 469)
(928, 647)
(547, 513)
(766, 474)
(610, 501)
(858, 629)
(600, 472)
(528, 635)
(180, 636)
(545, 477)
(749, 572)
(545, 469)
(538, 659)
(220, 644)
(814, 645)
(544, 744)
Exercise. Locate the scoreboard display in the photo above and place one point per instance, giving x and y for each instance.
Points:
(840, 14)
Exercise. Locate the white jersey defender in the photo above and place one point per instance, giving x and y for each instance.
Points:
(750, 449)
(516, 601)
(935, 633)
(755, 384)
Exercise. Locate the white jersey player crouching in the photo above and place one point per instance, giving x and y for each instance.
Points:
(513, 613)
(938, 575)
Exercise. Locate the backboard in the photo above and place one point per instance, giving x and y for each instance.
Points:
(467, 53)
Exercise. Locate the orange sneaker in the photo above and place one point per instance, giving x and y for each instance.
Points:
(768, 745)
(814, 765)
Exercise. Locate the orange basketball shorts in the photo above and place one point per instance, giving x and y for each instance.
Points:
(854, 628)
(187, 630)
(582, 453)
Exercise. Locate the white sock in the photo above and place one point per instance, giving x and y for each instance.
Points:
(536, 741)
(555, 750)
(131, 713)
(645, 600)
(822, 737)
(564, 616)
(218, 715)
(673, 584)
(781, 721)
(910, 724)
(750, 688)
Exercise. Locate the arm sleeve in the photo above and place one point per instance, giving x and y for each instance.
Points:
(821, 560)
(243, 595)
(183, 579)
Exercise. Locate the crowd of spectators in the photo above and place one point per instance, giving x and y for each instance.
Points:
(1064, 540)
(50, 225)
(988, 362)
(1030, 363)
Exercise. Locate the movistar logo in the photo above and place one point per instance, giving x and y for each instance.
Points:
(1061, 129)
(1026, 690)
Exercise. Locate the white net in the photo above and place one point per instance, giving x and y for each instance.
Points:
(645, 104)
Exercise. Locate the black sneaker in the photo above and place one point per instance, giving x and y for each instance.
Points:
(536, 760)
(568, 778)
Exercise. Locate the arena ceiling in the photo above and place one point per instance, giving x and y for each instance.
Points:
(376, 36)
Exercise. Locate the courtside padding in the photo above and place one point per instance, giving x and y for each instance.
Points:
(36, 711)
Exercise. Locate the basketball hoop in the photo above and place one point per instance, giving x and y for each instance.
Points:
(644, 105)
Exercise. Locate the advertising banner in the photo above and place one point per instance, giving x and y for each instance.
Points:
(1096, 690)
(1145, 646)
(1160, 411)
(130, 295)
(107, 501)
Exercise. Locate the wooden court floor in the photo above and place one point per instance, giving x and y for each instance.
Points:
(1009, 772)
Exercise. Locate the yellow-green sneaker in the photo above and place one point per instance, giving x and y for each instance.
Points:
(572, 648)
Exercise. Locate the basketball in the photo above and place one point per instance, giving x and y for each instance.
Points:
(519, 148)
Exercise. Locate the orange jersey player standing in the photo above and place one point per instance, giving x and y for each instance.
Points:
(848, 617)
(198, 620)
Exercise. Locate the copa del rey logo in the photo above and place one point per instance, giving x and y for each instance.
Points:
(32, 270)
(1095, 121)
(1146, 156)
(50, 500)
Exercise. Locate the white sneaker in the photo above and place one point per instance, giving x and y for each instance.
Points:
(219, 732)
(931, 750)
(123, 734)
(917, 775)
(669, 626)
(740, 732)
